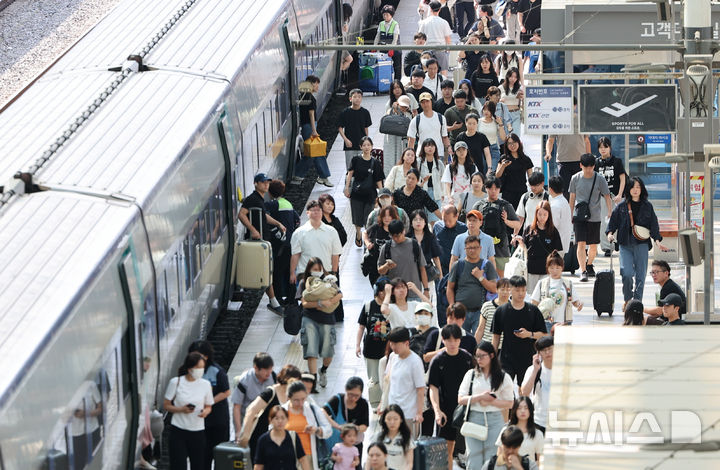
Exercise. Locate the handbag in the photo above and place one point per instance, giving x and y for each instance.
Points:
(317, 289)
(581, 213)
(292, 318)
(517, 264)
(639, 232)
(462, 216)
(341, 418)
(474, 430)
(324, 454)
(314, 147)
(432, 273)
(298, 465)
(394, 124)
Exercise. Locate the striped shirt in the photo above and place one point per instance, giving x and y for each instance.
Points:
(488, 312)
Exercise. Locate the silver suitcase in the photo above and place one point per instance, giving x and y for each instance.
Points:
(253, 263)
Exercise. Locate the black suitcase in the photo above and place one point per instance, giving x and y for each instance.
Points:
(431, 453)
(570, 260)
(230, 456)
(604, 291)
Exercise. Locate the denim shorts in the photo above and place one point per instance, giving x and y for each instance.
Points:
(317, 340)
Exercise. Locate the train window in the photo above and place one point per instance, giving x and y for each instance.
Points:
(108, 378)
(256, 141)
(218, 226)
(174, 284)
(164, 313)
(186, 263)
(85, 426)
(194, 241)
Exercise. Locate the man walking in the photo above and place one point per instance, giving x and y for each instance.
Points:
(438, 32)
(353, 123)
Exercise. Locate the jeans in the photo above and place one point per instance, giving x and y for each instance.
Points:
(479, 452)
(515, 121)
(374, 389)
(633, 263)
(321, 165)
(495, 156)
(466, 10)
(472, 318)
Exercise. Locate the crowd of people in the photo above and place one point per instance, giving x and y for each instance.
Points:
(464, 244)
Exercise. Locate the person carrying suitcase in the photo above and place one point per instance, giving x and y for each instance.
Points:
(256, 221)
(388, 32)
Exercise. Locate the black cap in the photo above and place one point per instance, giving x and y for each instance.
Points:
(634, 306)
(435, 5)
(672, 299)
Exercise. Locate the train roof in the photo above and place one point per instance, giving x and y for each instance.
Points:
(610, 379)
(51, 245)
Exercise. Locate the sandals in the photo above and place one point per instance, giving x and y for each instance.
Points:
(358, 242)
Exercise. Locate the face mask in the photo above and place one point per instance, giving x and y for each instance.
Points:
(316, 273)
(424, 62)
(384, 201)
(423, 320)
(197, 373)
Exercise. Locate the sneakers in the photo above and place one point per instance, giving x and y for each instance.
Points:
(584, 277)
(325, 181)
(590, 270)
(296, 180)
(276, 310)
(322, 378)
(608, 253)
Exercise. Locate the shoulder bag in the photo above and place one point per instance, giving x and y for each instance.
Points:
(639, 232)
(460, 414)
(324, 453)
(581, 213)
(394, 124)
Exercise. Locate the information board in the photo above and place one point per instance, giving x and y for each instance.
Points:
(549, 110)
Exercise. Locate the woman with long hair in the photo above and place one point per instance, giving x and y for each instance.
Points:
(484, 77)
(376, 236)
(278, 449)
(539, 240)
(494, 129)
(420, 231)
(560, 292)
(514, 169)
(364, 178)
(512, 95)
(412, 196)
(456, 177)
(431, 169)
(506, 61)
(522, 415)
(397, 437)
(494, 94)
(634, 225)
(306, 420)
(466, 86)
(488, 391)
(189, 398)
(471, 58)
(468, 200)
(396, 178)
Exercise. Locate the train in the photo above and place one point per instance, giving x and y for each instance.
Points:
(122, 169)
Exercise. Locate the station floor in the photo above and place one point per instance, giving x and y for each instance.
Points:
(266, 331)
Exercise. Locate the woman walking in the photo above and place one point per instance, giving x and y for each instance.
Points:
(412, 197)
(394, 145)
(431, 171)
(514, 170)
(512, 95)
(494, 129)
(307, 421)
(540, 239)
(364, 178)
(279, 449)
(396, 177)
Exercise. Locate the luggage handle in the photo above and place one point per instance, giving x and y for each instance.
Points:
(250, 212)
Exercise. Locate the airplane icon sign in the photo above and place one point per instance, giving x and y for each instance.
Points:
(622, 110)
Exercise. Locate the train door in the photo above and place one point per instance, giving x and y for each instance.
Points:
(232, 193)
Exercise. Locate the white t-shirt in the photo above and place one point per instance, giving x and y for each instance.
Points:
(562, 219)
(530, 445)
(395, 451)
(436, 29)
(429, 129)
(198, 392)
(404, 318)
(323, 242)
(489, 129)
(92, 400)
(433, 84)
(406, 376)
(541, 397)
(558, 293)
(481, 384)
(459, 184)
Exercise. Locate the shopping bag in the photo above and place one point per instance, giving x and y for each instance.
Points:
(314, 147)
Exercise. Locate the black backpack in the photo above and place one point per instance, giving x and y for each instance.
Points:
(525, 462)
(416, 252)
(493, 224)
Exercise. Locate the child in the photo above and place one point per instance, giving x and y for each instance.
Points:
(554, 295)
(345, 455)
(487, 311)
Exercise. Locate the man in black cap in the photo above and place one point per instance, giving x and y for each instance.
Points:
(253, 216)
(671, 305)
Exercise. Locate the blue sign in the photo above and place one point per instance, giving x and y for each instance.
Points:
(657, 139)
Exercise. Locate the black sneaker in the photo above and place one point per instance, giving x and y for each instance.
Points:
(276, 310)
(584, 277)
(590, 270)
(607, 253)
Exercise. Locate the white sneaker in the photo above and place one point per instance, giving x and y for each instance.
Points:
(326, 182)
(322, 378)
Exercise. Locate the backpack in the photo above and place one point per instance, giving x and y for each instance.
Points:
(417, 128)
(441, 287)
(525, 462)
(493, 223)
(415, 248)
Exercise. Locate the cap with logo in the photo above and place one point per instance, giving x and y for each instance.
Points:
(261, 178)
(425, 96)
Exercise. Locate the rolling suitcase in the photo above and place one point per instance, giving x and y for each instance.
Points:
(376, 72)
(604, 291)
(570, 260)
(229, 456)
(254, 260)
(431, 453)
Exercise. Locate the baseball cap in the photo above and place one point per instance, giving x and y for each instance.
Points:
(634, 306)
(477, 214)
(460, 144)
(261, 178)
(404, 101)
(384, 192)
(672, 299)
(425, 96)
(424, 306)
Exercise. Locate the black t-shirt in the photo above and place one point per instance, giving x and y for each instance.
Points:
(515, 175)
(376, 330)
(307, 104)
(354, 122)
(219, 380)
(467, 342)
(362, 169)
(359, 416)
(418, 199)
(482, 81)
(269, 397)
(671, 287)
(416, 92)
(256, 201)
(517, 352)
(531, 14)
(446, 373)
(441, 106)
(539, 246)
(418, 341)
(282, 457)
(476, 148)
(611, 169)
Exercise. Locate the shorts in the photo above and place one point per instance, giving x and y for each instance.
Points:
(318, 340)
(448, 432)
(360, 211)
(588, 232)
(500, 262)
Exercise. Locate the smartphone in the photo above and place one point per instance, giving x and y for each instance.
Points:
(493, 395)
(191, 406)
(516, 331)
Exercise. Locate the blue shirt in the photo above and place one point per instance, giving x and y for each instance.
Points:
(446, 237)
(534, 56)
(487, 247)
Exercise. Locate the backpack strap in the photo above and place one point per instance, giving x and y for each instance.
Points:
(491, 462)
(464, 205)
